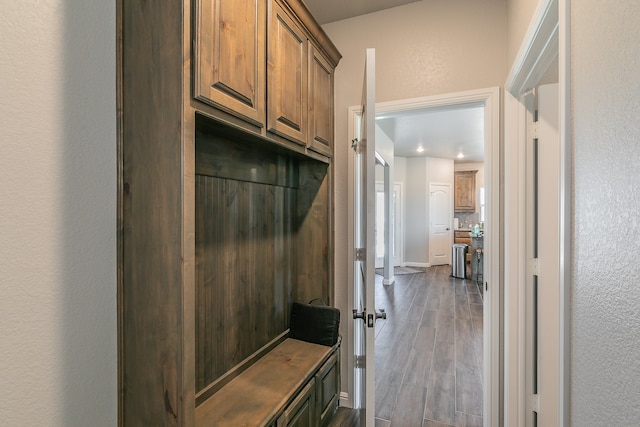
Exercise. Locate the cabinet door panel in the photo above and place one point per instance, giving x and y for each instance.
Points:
(287, 77)
(328, 385)
(320, 102)
(302, 412)
(230, 57)
(465, 191)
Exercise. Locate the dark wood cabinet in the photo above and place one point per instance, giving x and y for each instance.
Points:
(321, 112)
(465, 191)
(222, 224)
(230, 59)
(287, 112)
(302, 412)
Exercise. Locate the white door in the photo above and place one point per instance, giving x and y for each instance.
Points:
(364, 224)
(543, 252)
(440, 217)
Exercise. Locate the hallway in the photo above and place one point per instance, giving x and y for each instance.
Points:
(429, 351)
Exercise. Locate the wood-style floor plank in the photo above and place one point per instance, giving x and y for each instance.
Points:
(428, 352)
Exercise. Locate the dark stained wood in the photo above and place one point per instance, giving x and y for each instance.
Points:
(230, 57)
(156, 343)
(244, 249)
(287, 108)
(315, 32)
(313, 274)
(249, 200)
(263, 390)
(230, 155)
(321, 113)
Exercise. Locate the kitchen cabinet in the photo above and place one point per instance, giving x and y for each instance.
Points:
(462, 236)
(465, 191)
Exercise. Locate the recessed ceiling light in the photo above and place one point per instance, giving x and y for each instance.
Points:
(420, 149)
(460, 155)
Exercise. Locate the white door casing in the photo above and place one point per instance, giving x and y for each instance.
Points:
(547, 39)
(440, 217)
(490, 98)
(543, 244)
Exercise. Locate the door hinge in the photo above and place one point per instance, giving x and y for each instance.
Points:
(534, 403)
(360, 362)
(533, 266)
(360, 254)
(532, 129)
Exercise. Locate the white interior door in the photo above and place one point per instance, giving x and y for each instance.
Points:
(543, 251)
(440, 217)
(364, 225)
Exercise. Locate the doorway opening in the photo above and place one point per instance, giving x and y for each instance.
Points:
(489, 99)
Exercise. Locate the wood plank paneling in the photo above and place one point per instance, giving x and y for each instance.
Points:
(244, 249)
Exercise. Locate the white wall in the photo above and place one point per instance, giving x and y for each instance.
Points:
(58, 214)
(519, 13)
(416, 238)
(419, 172)
(605, 312)
(424, 48)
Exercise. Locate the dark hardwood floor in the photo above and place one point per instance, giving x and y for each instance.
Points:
(428, 352)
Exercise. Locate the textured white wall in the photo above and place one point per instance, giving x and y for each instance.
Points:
(424, 48)
(519, 13)
(58, 214)
(416, 239)
(605, 313)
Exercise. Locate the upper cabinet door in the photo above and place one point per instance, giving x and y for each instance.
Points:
(465, 191)
(286, 76)
(320, 102)
(230, 57)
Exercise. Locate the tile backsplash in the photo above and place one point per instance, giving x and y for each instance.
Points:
(464, 219)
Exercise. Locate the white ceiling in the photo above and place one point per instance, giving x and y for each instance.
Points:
(443, 133)
(326, 11)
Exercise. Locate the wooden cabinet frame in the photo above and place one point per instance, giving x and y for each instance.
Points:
(162, 103)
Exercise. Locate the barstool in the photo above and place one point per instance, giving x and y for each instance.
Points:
(479, 253)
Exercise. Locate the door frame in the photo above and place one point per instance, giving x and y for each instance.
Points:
(490, 98)
(548, 38)
(396, 232)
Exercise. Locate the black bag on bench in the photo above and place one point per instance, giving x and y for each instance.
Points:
(317, 324)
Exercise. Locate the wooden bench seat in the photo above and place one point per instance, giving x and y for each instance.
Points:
(260, 394)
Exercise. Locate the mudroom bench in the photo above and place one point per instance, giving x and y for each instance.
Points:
(296, 383)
